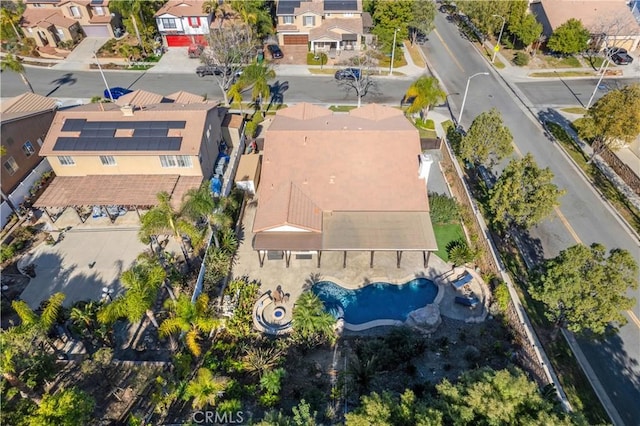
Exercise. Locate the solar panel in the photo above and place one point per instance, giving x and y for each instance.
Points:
(73, 124)
(102, 143)
(341, 5)
(286, 7)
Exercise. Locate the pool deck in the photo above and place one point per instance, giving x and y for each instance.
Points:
(302, 273)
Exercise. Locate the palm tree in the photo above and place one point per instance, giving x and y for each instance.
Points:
(47, 318)
(10, 16)
(163, 220)
(12, 63)
(141, 282)
(83, 315)
(193, 319)
(424, 92)
(129, 8)
(234, 94)
(205, 388)
(249, 18)
(310, 321)
(257, 76)
(199, 203)
(16, 344)
(258, 360)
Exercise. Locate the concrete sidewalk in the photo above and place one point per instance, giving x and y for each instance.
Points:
(82, 56)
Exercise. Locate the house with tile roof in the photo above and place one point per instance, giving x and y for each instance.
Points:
(123, 154)
(341, 182)
(183, 22)
(324, 25)
(49, 22)
(24, 122)
(611, 22)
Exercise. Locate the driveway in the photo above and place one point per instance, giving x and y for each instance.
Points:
(81, 264)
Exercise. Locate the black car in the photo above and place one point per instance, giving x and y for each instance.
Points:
(349, 74)
(275, 51)
(618, 55)
(208, 70)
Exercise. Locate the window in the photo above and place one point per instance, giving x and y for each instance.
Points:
(66, 160)
(60, 34)
(11, 166)
(183, 161)
(169, 23)
(98, 10)
(107, 160)
(309, 21)
(287, 19)
(27, 148)
(39, 142)
(75, 11)
(194, 21)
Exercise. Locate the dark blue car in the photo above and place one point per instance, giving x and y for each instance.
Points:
(116, 92)
(348, 74)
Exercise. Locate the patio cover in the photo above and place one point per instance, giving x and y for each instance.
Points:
(358, 231)
(378, 231)
(121, 190)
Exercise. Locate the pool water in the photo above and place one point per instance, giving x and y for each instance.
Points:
(376, 300)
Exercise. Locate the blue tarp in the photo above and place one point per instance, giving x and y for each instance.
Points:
(216, 186)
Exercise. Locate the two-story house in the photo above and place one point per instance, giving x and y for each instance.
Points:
(183, 22)
(24, 123)
(124, 155)
(49, 22)
(323, 25)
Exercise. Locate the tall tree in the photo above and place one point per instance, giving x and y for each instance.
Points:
(423, 93)
(130, 9)
(523, 195)
(205, 388)
(13, 63)
(230, 50)
(569, 38)
(527, 29)
(199, 204)
(585, 290)
(10, 14)
(310, 321)
(69, 407)
(257, 14)
(256, 76)
(191, 319)
(47, 319)
(141, 283)
(423, 15)
(487, 141)
(164, 220)
(389, 16)
(614, 120)
(361, 82)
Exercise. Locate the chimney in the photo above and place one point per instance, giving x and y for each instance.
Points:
(127, 110)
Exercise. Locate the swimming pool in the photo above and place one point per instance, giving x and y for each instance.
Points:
(377, 300)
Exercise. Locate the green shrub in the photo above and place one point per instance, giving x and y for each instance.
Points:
(501, 296)
(521, 59)
(443, 209)
(459, 252)
(7, 252)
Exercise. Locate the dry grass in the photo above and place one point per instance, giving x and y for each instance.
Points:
(562, 74)
(416, 57)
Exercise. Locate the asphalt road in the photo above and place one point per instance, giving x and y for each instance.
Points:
(86, 84)
(581, 217)
(569, 91)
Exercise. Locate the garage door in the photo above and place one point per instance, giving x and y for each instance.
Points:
(178, 40)
(295, 39)
(96, 31)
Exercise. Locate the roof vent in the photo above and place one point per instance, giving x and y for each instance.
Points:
(127, 110)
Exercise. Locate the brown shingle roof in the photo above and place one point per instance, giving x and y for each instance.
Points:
(140, 98)
(294, 205)
(233, 121)
(44, 18)
(183, 97)
(194, 115)
(334, 28)
(182, 8)
(595, 15)
(27, 102)
(364, 161)
(122, 190)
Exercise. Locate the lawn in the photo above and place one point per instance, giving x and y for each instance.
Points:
(595, 61)
(416, 57)
(342, 108)
(575, 110)
(567, 62)
(562, 74)
(444, 235)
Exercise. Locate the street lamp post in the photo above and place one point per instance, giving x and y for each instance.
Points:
(603, 71)
(466, 91)
(106, 293)
(103, 77)
(393, 50)
(495, 49)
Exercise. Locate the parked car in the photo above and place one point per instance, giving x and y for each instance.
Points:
(209, 70)
(275, 51)
(468, 301)
(618, 55)
(349, 74)
(116, 92)
(195, 50)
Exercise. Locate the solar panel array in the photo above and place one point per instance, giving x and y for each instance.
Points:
(100, 136)
(342, 5)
